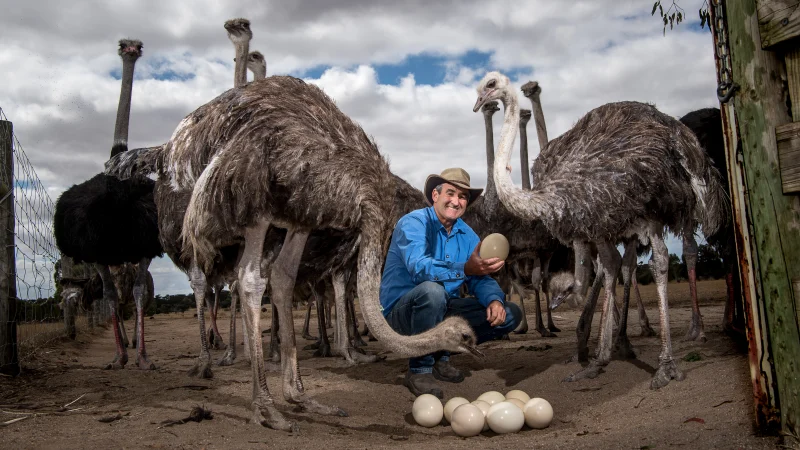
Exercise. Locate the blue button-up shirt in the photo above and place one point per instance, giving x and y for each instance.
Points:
(421, 250)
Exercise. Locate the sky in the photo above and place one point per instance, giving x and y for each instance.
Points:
(406, 71)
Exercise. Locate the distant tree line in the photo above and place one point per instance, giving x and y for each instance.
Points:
(709, 267)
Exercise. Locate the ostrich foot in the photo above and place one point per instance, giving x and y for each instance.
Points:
(324, 351)
(274, 419)
(355, 357)
(202, 368)
(571, 359)
(228, 358)
(553, 328)
(591, 371)
(623, 347)
(695, 333)
(313, 406)
(144, 363)
(215, 341)
(647, 331)
(118, 362)
(358, 342)
(308, 337)
(545, 332)
(666, 371)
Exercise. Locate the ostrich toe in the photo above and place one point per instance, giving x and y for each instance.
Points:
(591, 371)
(666, 371)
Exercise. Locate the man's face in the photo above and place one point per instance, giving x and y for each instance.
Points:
(451, 203)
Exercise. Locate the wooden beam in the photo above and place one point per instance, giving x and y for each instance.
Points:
(788, 138)
(9, 352)
(774, 217)
(778, 21)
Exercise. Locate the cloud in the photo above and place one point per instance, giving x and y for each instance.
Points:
(61, 87)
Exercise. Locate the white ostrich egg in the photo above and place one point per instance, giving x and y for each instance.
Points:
(427, 410)
(451, 405)
(494, 245)
(505, 417)
(468, 420)
(484, 407)
(492, 397)
(521, 395)
(517, 402)
(538, 413)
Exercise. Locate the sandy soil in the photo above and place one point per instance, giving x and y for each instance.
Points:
(711, 408)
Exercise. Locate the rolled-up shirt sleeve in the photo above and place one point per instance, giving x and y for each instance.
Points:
(410, 236)
(486, 289)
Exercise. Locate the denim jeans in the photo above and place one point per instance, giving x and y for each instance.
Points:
(425, 306)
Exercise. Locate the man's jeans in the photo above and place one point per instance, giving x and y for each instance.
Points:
(425, 306)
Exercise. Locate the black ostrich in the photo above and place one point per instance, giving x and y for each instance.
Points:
(106, 221)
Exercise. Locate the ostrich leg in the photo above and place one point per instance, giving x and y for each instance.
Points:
(611, 261)
(355, 338)
(214, 337)
(307, 323)
(282, 281)
(110, 296)
(324, 349)
(696, 331)
(584, 328)
(342, 341)
(546, 276)
(667, 369)
(622, 346)
(251, 287)
(230, 352)
(139, 292)
(199, 284)
(274, 337)
(536, 281)
(515, 276)
(644, 321)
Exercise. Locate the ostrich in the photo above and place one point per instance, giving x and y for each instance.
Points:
(623, 170)
(279, 153)
(109, 222)
(526, 239)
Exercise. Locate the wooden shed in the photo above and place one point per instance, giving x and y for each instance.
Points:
(758, 61)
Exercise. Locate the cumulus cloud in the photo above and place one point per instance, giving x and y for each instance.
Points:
(61, 72)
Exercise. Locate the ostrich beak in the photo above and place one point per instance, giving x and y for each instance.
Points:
(474, 351)
(556, 301)
(482, 98)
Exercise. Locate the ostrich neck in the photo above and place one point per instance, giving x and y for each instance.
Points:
(259, 73)
(529, 205)
(370, 262)
(240, 68)
(124, 108)
(538, 119)
(490, 193)
(523, 155)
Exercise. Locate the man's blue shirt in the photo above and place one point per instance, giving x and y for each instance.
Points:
(421, 250)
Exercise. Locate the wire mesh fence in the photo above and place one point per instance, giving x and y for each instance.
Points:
(28, 284)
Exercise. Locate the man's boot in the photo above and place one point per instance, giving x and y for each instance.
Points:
(422, 383)
(442, 370)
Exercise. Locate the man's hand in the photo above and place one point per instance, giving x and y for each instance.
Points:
(495, 313)
(475, 265)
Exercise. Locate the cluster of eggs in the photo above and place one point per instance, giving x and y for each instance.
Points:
(492, 410)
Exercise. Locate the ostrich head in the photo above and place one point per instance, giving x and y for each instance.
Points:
(238, 30)
(71, 295)
(256, 63)
(494, 86)
(524, 116)
(130, 49)
(562, 288)
(531, 88)
(457, 336)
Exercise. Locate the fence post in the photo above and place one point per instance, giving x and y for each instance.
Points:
(9, 355)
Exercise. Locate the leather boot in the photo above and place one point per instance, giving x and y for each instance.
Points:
(422, 383)
(443, 370)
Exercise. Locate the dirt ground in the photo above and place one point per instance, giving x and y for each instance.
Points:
(711, 408)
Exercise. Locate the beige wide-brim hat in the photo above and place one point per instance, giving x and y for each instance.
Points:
(457, 177)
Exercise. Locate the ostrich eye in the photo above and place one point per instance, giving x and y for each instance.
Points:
(491, 84)
(465, 336)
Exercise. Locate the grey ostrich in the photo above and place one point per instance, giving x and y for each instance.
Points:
(623, 170)
(92, 218)
(279, 153)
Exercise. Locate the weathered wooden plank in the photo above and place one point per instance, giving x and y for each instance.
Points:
(9, 356)
(774, 217)
(788, 139)
(778, 21)
(792, 60)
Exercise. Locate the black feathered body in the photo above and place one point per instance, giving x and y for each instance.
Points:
(108, 221)
(629, 163)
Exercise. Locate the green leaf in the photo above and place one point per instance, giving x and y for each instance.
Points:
(655, 7)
